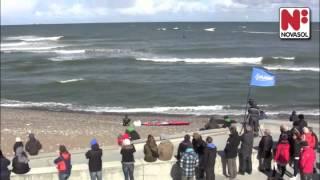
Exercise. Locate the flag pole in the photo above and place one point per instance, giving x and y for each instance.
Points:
(246, 109)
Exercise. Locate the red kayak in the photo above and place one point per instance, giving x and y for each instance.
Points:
(166, 123)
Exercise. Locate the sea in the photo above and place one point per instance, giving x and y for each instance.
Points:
(192, 68)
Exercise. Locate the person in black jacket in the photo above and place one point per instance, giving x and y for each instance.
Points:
(231, 151)
(265, 151)
(301, 123)
(33, 145)
(132, 133)
(20, 162)
(95, 162)
(4, 171)
(183, 146)
(295, 152)
(17, 144)
(199, 145)
(293, 117)
(209, 159)
(127, 161)
(245, 161)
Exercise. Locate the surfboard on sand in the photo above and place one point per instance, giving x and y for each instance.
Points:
(166, 123)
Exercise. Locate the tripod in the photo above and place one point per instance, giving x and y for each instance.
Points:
(246, 121)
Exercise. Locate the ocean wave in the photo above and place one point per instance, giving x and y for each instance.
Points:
(34, 49)
(210, 29)
(80, 51)
(70, 80)
(185, 110)
(283, 57)
(34, 38)
(13, 44)
(259, 32)
(286, 68)
(161, 29)
(235, 60)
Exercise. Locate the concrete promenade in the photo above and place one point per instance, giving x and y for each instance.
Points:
(44, 169)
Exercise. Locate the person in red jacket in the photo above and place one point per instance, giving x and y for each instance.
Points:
(282, 155)
(307, 136)
(307, 159)
(63, 163)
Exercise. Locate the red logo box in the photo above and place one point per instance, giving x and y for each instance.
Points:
(295, 23)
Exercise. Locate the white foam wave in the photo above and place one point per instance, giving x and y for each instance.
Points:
(235, 60)
(191, 110)
(13, 44)
(176, 28)
(283, 57)
(259, 32)
(71, 80)
(80, 51)
(30, 48)
(286, 68)
(161, 29)
(210, 29)
(35, 38)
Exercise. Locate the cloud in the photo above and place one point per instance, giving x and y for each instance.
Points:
(67, 11)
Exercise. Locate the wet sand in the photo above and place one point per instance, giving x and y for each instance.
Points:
(75, 130)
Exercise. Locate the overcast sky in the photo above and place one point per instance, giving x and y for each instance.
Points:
(90, 11)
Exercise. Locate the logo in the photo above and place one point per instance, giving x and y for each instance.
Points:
(295, 23)
(261, 77)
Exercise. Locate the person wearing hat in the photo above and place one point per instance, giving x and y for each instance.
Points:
(227, 122)
(17, 144)
(188, 163)
(127, 160)
(132, 133)
(20, 162)
(95, 160)
(33, 145)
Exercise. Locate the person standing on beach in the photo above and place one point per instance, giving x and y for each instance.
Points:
(150, 150)
(95, 162)
(209, 159)
(245, 153)
(231, 151)
(295, 153)
(265, 151)
(293, 117)
(4, 171)
(307, 136)
(282, 154)
(63, 163)
(165, 149)
(127, 161)
(183, 146)
(188, 163)
(20, 162)
(307, 159)
(17, 144)
(301, 123)
(126, 120)
(199, 145)
(33, 145)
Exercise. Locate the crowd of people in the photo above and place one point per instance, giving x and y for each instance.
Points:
(195, 157)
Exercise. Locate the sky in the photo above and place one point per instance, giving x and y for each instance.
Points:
(94, 11)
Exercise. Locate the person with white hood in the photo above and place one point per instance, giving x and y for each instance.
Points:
(127, 161)
(20, 162)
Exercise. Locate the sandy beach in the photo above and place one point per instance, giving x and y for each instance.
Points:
(76, 129)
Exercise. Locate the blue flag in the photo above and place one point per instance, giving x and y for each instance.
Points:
(261, 77)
